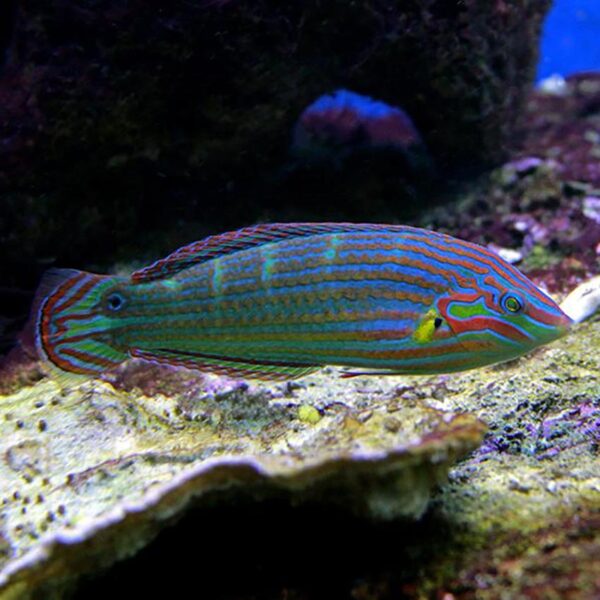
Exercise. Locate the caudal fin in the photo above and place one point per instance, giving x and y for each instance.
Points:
(72, 331)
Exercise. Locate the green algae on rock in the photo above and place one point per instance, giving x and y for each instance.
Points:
(90, 475)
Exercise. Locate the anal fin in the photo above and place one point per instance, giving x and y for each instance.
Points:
(228, 366)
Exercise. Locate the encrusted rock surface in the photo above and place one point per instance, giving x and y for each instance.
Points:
(564, 125)
(89, 475)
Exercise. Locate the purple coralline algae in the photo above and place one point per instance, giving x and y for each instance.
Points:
(542, 208)
(344, 122)
(574, 427)
(564, 127)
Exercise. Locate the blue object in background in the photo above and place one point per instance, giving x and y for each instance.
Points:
(571, 38)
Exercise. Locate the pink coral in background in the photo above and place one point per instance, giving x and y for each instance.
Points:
(340, 123)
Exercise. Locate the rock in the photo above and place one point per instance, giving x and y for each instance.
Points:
(90, 475)
(339, 124)
(543, 203)
(583, 301)
(564, 127)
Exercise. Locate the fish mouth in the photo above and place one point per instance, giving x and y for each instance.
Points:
(558, 323)
(565, 323)
(562, 326)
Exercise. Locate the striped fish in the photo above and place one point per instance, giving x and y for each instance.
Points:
(279, 301)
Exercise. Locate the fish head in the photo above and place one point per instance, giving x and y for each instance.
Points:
(500, 318)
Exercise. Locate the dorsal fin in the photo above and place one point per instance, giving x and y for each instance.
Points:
(248, 237)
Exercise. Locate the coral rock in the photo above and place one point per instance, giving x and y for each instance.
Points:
(90, 475)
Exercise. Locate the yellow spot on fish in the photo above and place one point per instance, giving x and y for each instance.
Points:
(308, 414)
(426, 327)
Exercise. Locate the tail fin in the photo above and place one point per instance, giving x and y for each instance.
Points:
(72, 331)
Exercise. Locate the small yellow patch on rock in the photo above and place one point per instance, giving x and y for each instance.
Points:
(308, 414)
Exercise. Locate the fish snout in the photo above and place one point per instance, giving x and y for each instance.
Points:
(563, 324)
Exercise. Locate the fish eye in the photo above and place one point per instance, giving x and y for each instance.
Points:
(511, 303)
(115, 301)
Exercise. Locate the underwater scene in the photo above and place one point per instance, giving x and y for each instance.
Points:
(300, 300)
